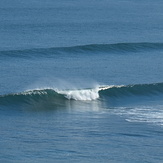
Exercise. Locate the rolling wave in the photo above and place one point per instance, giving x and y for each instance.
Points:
(136, 90)
(92, 48)
(89, 94)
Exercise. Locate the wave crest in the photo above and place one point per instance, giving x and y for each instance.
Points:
(58, 96)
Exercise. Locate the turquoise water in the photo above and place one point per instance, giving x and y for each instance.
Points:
(81, 81)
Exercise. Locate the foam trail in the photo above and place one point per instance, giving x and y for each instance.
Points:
(101, 88)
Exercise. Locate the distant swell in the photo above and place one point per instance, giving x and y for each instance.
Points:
(60, 96)
(92, 48)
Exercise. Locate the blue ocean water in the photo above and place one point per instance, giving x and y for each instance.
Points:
(81, 81)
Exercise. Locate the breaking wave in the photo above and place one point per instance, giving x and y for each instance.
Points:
(88, 94)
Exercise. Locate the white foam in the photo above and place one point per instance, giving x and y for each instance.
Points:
(83, 94)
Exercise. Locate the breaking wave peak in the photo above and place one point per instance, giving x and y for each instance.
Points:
(88, 94)
(83, 94)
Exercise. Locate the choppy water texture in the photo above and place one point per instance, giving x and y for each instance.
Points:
(81, 81)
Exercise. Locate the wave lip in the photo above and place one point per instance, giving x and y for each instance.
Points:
(137, 90)
(31, 96)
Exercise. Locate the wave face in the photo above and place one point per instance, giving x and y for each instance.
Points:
(137, 90)
(93, 48)
(89, 94)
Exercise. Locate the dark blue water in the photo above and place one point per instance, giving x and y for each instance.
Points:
(81, 81)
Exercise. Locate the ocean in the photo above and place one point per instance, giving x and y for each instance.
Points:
(81, 81)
